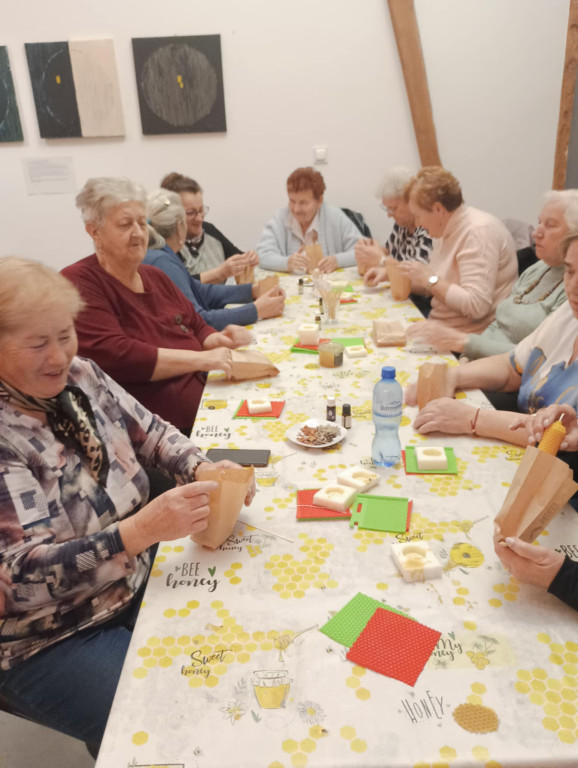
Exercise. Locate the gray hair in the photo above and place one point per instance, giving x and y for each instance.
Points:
(28, 286)
(567, 200)
(164, 211)
(100, 195)
(394, 182)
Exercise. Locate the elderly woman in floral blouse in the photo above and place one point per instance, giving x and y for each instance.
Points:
(76, 525)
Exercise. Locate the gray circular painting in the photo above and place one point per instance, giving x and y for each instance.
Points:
(179, 84)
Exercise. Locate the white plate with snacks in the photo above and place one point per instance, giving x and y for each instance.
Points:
(316, 433)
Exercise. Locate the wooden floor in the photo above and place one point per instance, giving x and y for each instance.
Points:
(26, 745)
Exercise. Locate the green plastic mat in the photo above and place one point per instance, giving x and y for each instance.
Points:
(411, 467)
(379, 513)
(348, 623)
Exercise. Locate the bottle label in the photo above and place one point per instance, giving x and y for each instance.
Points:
(388, 409)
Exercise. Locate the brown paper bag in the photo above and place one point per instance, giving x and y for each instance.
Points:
(431, 382)
(264, 285)
(315, 254)
(246, 275)
(225, 502)
(387, 334)
(400, 285)
(540, 488)
(251, 364)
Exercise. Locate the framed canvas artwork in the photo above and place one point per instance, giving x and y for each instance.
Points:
(180, 84)
(10, 127)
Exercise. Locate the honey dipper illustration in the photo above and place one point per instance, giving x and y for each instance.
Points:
(282, 642)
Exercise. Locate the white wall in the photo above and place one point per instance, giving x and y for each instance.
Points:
(299, 73)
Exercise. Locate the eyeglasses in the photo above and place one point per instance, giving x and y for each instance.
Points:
(388, 209)
(192, 213)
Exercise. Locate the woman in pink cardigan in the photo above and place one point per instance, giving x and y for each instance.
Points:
(473, 264)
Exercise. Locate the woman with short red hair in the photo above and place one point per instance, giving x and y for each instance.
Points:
(307, 220)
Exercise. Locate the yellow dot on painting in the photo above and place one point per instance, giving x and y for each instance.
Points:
(524, 674)
(448, 753)
(478, 688)
(571, 646)
(236, 566)
(359, 671)
(235, 580)
(459, 600)
(140, 737)
(216, 604)
(140, 673)
(195, 681)
(543, 638)
(382, 585)
(363, 694)
(347, 732)
(539, 674)
(276, 764)
(522, 687)
(358, 745)
(155, 573)
(298, 760)
(211, 681)
(166, 661)
(184, 612)
(471, 625)
(352, 682)
(567, 737)
(474, 699)
(178, 548)
(495, 602)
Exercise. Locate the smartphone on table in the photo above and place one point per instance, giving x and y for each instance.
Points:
(246, 457)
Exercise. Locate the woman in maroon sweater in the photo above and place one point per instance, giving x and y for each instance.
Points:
(137, 326)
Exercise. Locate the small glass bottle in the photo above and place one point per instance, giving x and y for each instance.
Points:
(331, 408)
(321, 310)
(318, 321)
(300, 285)
(346, 415)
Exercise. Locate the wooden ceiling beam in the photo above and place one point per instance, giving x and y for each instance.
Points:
(566, 99)
(408, 41)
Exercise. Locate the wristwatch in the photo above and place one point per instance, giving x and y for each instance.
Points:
(433, 280)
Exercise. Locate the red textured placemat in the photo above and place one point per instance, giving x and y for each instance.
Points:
(394, 646)
(307, 510)
(276, 409)
(297, 347)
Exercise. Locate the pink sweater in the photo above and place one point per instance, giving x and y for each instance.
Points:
(477, 255)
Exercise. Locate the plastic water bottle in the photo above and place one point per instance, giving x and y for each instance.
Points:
(387, 403)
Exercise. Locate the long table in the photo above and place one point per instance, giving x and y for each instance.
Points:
(227, 665)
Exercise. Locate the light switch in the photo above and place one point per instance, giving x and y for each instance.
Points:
(320, 154)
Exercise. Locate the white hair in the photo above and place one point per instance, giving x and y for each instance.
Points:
(164, 212)
(100, 195)
(567, 200)
(394, 182)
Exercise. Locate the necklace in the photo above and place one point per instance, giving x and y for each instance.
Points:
(519, 298)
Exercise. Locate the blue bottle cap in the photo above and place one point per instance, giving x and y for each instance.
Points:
(388, 372)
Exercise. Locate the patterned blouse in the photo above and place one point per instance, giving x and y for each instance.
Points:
(63, 567)
(404, 245)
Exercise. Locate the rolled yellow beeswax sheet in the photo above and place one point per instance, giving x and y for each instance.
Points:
(552, 438)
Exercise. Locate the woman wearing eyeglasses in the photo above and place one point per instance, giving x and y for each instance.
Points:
(207, 254)
(406, 241)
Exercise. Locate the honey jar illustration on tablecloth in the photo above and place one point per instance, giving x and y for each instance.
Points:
(271, 688)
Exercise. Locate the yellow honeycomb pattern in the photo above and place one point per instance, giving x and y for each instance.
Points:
(508, 592)
(367, 538)
(295, 577)
(276, 429)
(486, 452)
(450, 485)
(162, 557)
(356, 744)
(447, 754)
(232, 573)
(282, 502)
(556, 695)
(436, 529)
(354, 682)
(225, 636)
(298, 750)
(278, 357)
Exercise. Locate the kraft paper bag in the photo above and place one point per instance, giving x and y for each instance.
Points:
(540, 488)
(264, 285)
(246, 275)
(251, 364)
(431, 383)
(315, 254)
(400, 285)
(225, 502)
(388, 334)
